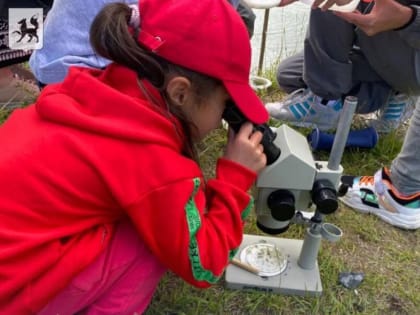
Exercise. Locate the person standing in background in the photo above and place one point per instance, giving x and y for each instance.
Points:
(392, 194)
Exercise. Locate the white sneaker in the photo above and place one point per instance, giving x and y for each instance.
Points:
(377, 195)
(396, 112)
(304, 109)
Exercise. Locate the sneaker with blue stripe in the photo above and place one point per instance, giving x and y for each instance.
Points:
(396, 112)
(376, 195)
(302, 108)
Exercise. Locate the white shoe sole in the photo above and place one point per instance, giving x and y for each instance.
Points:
(407, 222)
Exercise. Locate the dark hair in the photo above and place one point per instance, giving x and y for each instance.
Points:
(112, 38)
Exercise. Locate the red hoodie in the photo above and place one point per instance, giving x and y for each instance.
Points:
(90, 151)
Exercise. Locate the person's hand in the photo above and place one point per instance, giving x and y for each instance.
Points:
(317, 3)
(386, 15)
(245, 148)
(326, 4)
(284, 3)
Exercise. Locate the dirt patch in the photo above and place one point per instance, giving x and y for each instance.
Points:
(21, 72)
(18, 87)
(396, 305)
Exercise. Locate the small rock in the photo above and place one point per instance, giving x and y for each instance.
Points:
(351, 280)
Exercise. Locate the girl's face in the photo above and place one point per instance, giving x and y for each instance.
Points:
(203, 112)
(207, 114)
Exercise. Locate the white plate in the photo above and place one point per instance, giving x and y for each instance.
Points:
(265, 257)
(262, 4)
(259, 83)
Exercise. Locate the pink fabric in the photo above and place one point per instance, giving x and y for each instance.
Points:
(121, 281)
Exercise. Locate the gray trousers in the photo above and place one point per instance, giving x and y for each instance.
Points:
(332, 67)
(338, 60)
(405, 169)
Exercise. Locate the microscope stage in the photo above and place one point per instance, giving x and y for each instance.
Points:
(294, 280)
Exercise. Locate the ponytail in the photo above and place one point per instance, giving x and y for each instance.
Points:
(112, 38)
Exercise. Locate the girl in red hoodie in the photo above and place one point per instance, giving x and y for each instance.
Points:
(101, 189)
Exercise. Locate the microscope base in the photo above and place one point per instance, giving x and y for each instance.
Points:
(293, 281)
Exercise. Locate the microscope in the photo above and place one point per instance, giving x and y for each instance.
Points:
(294, 188)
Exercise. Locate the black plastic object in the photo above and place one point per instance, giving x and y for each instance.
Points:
(282, 205)
(235, 119)
(324, 196)
(272, 231)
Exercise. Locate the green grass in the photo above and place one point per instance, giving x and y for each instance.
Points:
(389, 257)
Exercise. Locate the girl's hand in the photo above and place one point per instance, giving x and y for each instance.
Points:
(245, 148)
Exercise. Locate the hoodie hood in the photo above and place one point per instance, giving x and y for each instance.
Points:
(110, 102)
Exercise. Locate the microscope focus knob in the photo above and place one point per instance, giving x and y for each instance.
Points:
(324, 196)
(282, 205)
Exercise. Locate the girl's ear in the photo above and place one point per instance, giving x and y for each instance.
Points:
(179, 90)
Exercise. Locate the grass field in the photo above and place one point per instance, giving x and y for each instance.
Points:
(389, 257)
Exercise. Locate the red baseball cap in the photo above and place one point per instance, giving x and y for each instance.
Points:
(207, 36)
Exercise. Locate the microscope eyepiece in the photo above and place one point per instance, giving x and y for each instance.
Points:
(324, 196)
(281, 202)
(235, 119)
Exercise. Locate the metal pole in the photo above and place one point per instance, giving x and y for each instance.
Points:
(263, 39)
(342, 133)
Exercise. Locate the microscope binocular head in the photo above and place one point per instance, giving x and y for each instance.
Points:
(295, 181)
